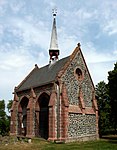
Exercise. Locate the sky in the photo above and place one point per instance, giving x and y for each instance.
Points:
(25, 33)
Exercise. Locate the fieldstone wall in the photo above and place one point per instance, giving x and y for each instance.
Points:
(81, 125)
(73, 84)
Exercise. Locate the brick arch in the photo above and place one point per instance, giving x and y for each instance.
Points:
(42, 115)
(24, 96)
(19, 103)
(37, 108)
(44, 92)
(22, 115)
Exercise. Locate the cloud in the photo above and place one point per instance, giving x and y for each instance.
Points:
(115, 52)
(25, 30)
(17, 6)
(11, 61)
(3, 4)
(111, 27)
(99, 71)
(94, 55)
(31, 34)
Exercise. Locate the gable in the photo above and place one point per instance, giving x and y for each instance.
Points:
(42, 76)
(72, 82)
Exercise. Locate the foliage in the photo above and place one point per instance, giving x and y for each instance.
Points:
(103, 106)
(112, 84)
(4, 119)
(9, 105)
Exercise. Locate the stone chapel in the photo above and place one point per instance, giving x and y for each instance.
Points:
(57, 101)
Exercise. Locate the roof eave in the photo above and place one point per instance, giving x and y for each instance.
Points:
(35, 86)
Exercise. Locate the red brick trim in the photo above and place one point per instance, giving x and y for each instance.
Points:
(63, 114)
(32, 93)
(44, 91)
(89, 110)
(76, 109)
(81, 101)
(52, 134)
(67, 64)
(22, 97)
(94, 101)
(64, 97)
(52, 99)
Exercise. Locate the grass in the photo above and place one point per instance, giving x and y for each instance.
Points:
(106, 143)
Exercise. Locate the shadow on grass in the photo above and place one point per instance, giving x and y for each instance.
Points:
(110, 138)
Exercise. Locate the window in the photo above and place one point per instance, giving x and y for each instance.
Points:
(79, 74)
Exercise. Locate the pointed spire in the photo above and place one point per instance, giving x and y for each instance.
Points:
(54, 42)
(54, 51)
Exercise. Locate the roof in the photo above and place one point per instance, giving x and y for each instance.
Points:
(42, 76)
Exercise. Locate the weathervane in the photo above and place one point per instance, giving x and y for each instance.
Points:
(54, 11)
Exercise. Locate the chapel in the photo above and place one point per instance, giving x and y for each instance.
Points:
(56, 102)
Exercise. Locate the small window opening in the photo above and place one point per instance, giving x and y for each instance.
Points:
(79, 74)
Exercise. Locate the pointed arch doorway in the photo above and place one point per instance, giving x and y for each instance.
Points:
(43, 102)
(22, 116)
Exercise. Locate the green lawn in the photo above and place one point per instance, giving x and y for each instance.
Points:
(108, 143)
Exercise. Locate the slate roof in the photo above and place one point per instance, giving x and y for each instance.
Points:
(42, 76)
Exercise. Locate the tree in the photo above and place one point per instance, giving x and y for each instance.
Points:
(103, 106)
(9, 105)
(112, 84)
(2, 118)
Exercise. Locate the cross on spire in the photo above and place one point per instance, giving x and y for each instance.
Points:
(54, 11)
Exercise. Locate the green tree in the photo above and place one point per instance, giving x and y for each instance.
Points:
(9, 105)
(112, 84)
(103, 106)
(2, 118)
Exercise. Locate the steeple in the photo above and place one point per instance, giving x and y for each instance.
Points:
(54, 51)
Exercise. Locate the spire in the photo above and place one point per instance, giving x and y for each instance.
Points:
(54, 51)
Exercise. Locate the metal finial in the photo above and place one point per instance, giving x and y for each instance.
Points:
(54, 11)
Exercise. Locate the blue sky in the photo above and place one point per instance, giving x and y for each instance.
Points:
(25, 30)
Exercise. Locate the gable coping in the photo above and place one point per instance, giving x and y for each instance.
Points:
(61, 72)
